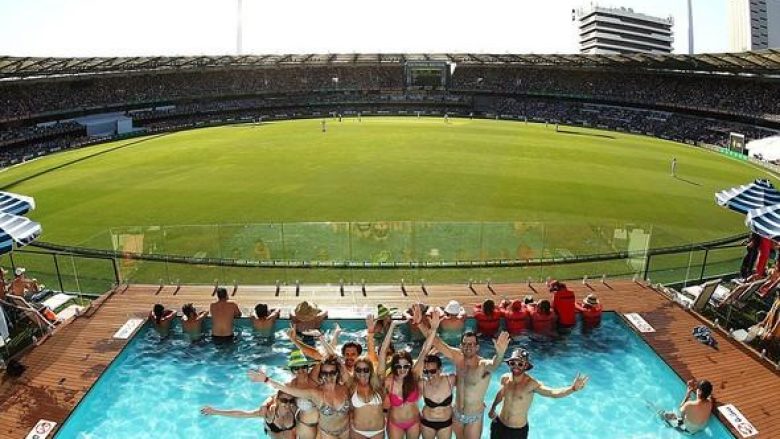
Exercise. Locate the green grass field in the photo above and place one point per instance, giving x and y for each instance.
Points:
(413, 189)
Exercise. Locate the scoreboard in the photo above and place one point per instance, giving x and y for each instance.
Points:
(429, 74)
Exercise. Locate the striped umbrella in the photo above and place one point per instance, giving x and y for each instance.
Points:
(765, 221)
(16, 230)
(755, 195)
(16, 204)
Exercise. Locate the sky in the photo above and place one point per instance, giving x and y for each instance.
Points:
(208, 27)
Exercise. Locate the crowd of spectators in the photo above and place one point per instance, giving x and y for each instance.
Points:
(755, 97)
(21, 100)
(668, 125)
(600, 98)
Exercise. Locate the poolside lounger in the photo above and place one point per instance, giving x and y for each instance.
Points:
(688, 296)
(707, 290)
(740, 292)
(56, 301)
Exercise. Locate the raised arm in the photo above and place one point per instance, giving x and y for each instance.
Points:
(307, 350)
(426, 347)
(370, 342)
(445, 349)
(260, 376)
(382, 364)
(578, 384)
(690, 386)
(501, 344)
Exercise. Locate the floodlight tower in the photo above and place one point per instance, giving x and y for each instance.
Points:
(239, 17)
(690, 27)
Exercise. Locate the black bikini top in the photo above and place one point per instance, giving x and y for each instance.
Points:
(447, 401)
(275, 428)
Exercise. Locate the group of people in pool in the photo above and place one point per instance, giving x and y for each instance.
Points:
(343, 393)
(370, 393)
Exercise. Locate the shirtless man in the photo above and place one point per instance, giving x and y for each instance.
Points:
(694, 414)
(192, 324)
(517, 393)
(21, 285)
(472, 379)
(223, 312)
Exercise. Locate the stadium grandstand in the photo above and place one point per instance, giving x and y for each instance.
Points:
(48, 104)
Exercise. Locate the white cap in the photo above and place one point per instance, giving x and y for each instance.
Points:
(19, 271)
(453, 307)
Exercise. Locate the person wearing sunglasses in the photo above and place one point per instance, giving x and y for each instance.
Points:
(402, 387)
(517, 393)
(305, 372)
(472, 379)
(437, 392)
(331, 398)
(278, 411)
(368, 417)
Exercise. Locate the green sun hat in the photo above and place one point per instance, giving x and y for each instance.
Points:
(383, 312)
(297, 359)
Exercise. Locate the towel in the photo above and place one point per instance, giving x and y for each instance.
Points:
(704, 335)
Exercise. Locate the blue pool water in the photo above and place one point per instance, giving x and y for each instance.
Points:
(155, 387)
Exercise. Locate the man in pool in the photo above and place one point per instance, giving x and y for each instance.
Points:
(694, 413)
(472, 379)
(517, 393)
(223, 312)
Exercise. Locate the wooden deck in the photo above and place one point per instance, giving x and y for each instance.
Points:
(62, 369)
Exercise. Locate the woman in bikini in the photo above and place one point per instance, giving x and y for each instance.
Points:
(278, 411)
(331, 398)
(403, 392)
(368, 417)
(437, 388)
(304, 372)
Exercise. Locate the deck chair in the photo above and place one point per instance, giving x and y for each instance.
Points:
(707, 289)
(740, 292)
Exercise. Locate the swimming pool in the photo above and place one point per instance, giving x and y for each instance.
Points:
(155, 387)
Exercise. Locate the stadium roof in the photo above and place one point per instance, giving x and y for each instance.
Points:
(763, 62)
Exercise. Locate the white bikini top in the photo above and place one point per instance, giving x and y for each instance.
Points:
(357, 401)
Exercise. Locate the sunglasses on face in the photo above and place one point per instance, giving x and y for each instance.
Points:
(516, 363)
(362, 370)
(300, 369)
(403, 366)
(430, 371)
(286, 400)
(328, 373)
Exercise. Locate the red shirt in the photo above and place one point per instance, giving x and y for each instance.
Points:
(563, 303)
(542, 323)
(487, 324)
(517, 321)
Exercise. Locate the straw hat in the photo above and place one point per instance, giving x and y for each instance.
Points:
(306, 311)
(522, 355)
(297, 359)
(453, 307)
(591, 300)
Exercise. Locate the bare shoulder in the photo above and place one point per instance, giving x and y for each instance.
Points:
(505, 378)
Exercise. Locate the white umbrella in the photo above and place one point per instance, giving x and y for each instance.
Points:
(16, 230)
(16, 204)
(755, 195)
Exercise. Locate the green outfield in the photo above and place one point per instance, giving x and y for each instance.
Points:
(382, 190)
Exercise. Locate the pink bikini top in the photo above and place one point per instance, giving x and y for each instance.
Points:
(397, 401)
